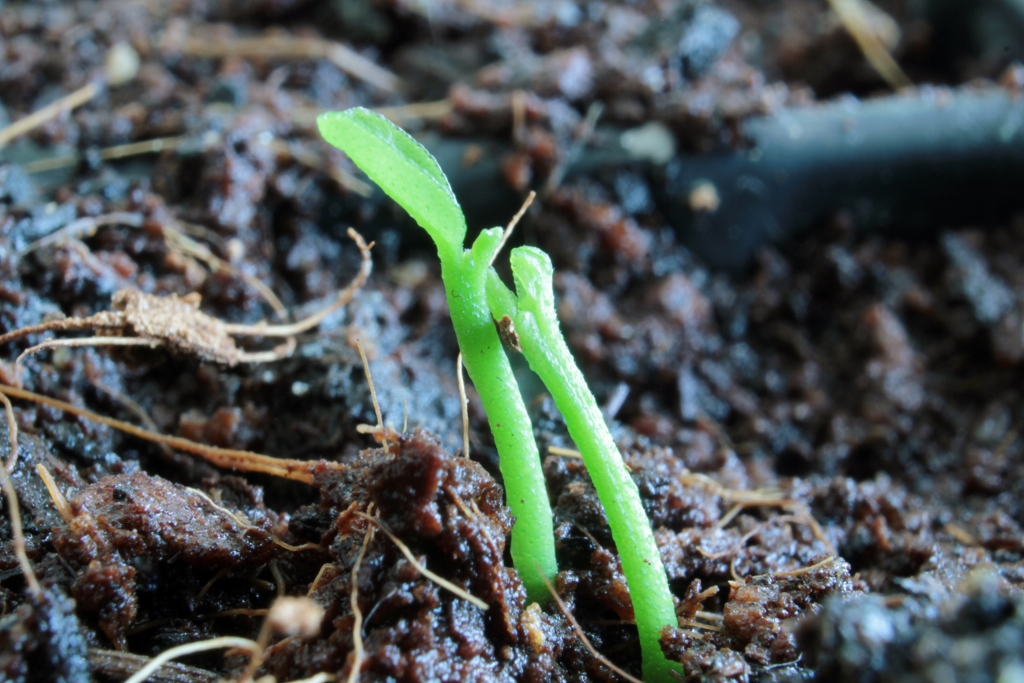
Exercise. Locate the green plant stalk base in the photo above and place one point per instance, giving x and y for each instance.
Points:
(533, 313)
(533, 541)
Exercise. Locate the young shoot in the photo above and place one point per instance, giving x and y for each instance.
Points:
(407, 172)
(539, 336)
(477, 297)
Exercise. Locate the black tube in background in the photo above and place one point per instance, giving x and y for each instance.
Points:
(904, 165)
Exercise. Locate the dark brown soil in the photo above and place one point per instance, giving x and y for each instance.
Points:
(827, 444)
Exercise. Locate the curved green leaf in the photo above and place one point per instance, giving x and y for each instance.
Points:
(403, 168)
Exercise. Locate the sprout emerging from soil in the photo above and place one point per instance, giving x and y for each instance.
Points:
(477, 297)
(411, 176)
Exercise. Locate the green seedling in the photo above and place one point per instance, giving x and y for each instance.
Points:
(411, 176)
(541, 340)
(477, 297)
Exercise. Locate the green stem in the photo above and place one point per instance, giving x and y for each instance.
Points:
(407, 172)
(545, 349)
(533, 541)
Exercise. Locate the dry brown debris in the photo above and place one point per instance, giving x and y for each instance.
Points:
(176, 323)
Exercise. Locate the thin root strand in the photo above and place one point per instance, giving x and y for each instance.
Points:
(580, 634)
(441, 581)
(59, 501)
(14, 510)
(357, 613)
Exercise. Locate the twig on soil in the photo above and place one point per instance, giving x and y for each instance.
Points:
(14, 511)
(244, 461)
(853, 15)
(465, 406)
(222, 642)
(177, 323)
(261, 583)
(748, 498)
(732, 569)
(120, 665)
(286, 47)
(690, 607)
(245, 525)
(308, 323)
(474, 514)
(380, 432)
(803, 570)
(357, 624)
(235, 517)
(152, 146)
(736, 547)
(414, 110)
(724, 520)
(582, 636)
(804, 516)
(689, 623)
(369, 381)
(90, 341)
(52, 110)
(444, 583)
(801, 517)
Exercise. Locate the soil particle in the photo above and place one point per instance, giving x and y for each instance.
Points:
(684, 303)
(567, 73)
(234, 181)
(42, 641)
(760, 613)
(976, 636)
(122, 519)
(970, 276)
(38, 514)
(226, 428)
(895, 372)
(618, 234)
(450, 514)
